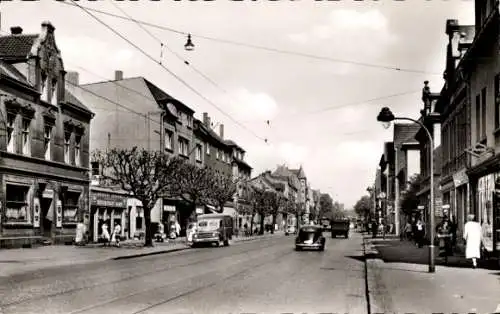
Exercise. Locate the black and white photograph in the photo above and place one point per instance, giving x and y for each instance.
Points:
(249, 156)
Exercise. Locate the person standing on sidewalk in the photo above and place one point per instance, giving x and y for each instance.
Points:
(116, 234)
(419, 233)
(472, 237)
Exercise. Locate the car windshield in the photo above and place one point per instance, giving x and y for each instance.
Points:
(209, 224)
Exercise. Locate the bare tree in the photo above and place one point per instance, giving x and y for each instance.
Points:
(260, 203)
(276, 201)
(193, 185)
(222, 189)
(146, 175)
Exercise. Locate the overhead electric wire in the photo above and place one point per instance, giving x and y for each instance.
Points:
(168, 70)
(253, 46)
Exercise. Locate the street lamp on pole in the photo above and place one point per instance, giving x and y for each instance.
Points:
(386, 117)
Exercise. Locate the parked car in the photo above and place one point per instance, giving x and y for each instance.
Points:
(310, 237)
(340, 227)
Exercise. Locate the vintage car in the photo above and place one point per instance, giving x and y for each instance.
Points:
(310, 237)
(213, 229)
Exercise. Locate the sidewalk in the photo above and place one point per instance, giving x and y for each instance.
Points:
(399, 282)
(15, 261)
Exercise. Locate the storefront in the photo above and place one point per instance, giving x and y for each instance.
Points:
(108, 207)
(484, 211)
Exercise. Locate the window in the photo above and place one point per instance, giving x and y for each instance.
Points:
(496, 96)
(223, 156)
(95, 168)
(198, 152)
(67, 139)
(17, 204)
(44, 88)
(70, 209)
(208, 149)
(11, 133)
(47, 139)
(53, 97)
(78, 161)
(217, 154)
(26, 137)
(478, 118)
(183, 146)
(483, 113)
(190, 121)
(169, 144)
(181, 117)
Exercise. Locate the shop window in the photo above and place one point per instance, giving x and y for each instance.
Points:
(71, 206)
(11, 132)
(17, 203)
(78, 157)
(26, 137)
(67, 139)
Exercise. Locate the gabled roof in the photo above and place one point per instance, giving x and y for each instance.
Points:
(16, 47)
(162, 97)
(208, 132)
(11, 71)
(299, 173)
(404, 133)
(242, 163)
(72, 99)
(233, 144)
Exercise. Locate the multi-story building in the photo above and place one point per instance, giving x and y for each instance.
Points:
(431, 119)
(406, 154)
(480, 68)
(386, 195)
(134, 112)
(455, 107)
(44, 144)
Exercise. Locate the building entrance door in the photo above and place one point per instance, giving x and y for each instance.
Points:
(47, 215)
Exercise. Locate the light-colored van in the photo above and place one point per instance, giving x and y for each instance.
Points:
(213, 229)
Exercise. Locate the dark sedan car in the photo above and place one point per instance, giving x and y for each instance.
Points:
(310, 237)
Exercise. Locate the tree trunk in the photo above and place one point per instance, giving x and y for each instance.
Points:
(261, 231)
(149, 231)
(251, 223)
(274, 223)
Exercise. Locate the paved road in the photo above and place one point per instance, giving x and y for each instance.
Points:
(262, 276)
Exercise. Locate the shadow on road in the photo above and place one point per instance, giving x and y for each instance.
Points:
(397, 251)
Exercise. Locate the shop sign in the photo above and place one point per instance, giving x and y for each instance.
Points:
(48, 193)
(169, 208)
(36, 212)
(460, 178)
(108, 200)
(438, 208)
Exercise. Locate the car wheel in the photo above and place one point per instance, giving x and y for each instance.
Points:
(298, 248)
(322, 248)
(226, 242)
(347, 235)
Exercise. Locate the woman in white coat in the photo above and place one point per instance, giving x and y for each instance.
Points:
(472, 237)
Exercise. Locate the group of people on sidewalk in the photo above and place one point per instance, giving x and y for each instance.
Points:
(446, 232)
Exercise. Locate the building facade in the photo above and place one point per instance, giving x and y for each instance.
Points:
(455, 108)
(404, 144)
(431, 119)
(480, 66)
(44, 145)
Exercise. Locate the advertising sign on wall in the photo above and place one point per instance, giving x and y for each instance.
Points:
(36, 212)
(59, 214)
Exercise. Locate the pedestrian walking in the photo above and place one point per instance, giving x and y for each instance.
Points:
(115, 238)
(419, 233)
(105, 234)
(473, 238)
(80, 233)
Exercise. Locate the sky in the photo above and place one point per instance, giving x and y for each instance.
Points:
(314, 107)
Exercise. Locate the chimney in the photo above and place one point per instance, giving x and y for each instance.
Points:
(118, 75)
(73, 78)
(16, 30)
(206, 120)
(221, 130)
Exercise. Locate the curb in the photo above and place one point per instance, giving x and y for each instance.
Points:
(148, 253)
(166, 251)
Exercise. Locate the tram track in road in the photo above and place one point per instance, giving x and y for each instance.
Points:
(30, 296)
(98, 308)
